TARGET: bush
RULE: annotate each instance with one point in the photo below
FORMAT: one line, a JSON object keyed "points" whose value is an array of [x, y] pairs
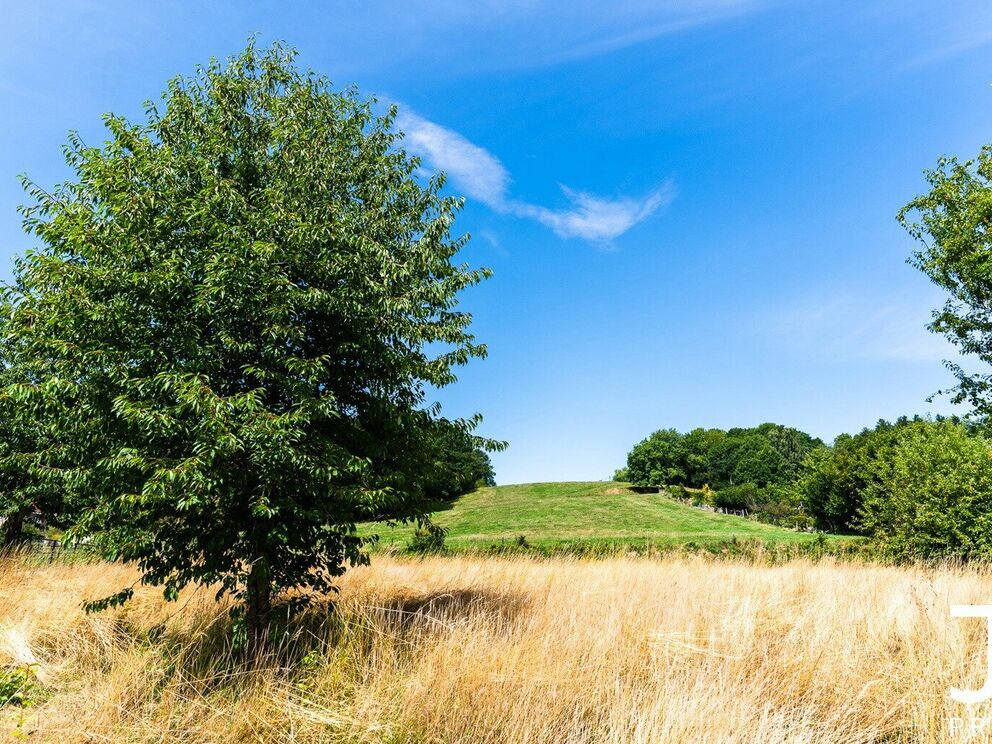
{"points": [[933, 498], [780, 505]]}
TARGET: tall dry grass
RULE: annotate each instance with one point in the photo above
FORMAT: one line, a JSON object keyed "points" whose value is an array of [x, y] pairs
{"points": [[513, 650]]}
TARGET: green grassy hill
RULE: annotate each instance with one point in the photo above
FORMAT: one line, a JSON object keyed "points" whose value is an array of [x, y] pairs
{"points": [[589, 514]]}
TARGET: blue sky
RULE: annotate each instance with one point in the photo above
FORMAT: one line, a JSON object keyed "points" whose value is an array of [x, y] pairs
{"points": [[689, 206]]}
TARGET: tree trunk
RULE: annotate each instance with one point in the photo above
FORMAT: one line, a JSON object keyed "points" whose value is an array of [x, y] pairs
{"points": [[13, 527], [258, 602]]}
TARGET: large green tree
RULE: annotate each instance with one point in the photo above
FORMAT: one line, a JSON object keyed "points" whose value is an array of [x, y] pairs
{"points": [[232, 320]]}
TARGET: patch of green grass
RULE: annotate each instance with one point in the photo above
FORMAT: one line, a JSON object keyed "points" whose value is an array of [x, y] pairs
{"points": [[588, 515]]}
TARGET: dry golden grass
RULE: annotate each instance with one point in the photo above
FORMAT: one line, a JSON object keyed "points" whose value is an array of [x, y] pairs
{"points": [[513, 650]]}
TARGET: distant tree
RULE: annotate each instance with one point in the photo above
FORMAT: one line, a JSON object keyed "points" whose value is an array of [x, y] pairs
{"points": [[792, 446], [460, 463], [762, 455], [659, 460], [699, 443], [824, 491], [758, 461], [721, 459], [621, 475], [235, 314], [953, 221], [836, 480]]}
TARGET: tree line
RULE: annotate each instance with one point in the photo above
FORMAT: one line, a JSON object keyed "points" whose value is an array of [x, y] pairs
{"points": [[919, 487]]}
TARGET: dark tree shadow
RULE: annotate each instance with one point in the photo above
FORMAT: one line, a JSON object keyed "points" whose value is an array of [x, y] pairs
{"points": [[454, 606], [206, 656]]}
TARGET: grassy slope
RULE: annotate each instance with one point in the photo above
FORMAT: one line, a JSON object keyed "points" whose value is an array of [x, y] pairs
{"points": [[597, 512]]}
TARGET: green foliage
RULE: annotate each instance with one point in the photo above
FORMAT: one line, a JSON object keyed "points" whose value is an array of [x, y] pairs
{"points": [[701, 443], [824, 491], [661, 459], [834, 481], [17, 685], [952, 222], [932, 494], [114, 600], [744, 496], [24, 490], [746, 457], [460, 463], [230, 325], [791, 445], [776, 504]]}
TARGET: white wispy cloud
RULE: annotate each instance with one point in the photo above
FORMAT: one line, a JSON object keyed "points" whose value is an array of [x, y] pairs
{"points": [[480, 175], [852, 325], [470, 167], [948, 35], [595, 218], [688, 16]]}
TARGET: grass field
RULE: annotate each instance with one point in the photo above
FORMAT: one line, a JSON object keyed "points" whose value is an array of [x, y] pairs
{"points": [[577, 514], [507, 650]]}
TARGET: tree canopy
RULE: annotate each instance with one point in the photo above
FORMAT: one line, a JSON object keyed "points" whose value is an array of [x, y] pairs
{"points": [[230, 326]]}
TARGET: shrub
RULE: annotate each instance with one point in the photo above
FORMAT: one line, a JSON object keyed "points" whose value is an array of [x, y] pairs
{"points": [[933, 498], [427, 541]]}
